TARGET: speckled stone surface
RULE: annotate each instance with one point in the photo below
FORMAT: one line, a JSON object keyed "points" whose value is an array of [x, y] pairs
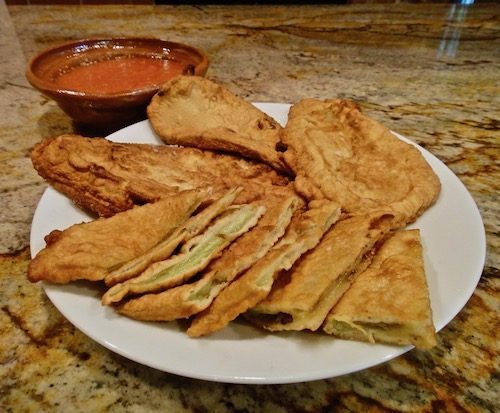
{"points": [[430, 72]]}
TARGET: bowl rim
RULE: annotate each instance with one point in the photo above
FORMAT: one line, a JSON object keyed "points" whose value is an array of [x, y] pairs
{"points": [[50, 89]]}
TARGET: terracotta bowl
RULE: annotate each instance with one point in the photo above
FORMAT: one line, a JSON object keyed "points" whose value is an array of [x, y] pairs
{"points": [[100, 102]]}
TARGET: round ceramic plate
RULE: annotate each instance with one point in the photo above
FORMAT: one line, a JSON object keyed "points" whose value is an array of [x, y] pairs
{"points": [[454, 246]]}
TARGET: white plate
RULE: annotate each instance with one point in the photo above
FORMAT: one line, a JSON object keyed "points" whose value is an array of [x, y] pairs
{"points": [[454, 245]]}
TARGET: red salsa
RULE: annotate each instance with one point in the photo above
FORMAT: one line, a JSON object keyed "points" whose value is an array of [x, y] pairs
{"points": [[121, 74]]}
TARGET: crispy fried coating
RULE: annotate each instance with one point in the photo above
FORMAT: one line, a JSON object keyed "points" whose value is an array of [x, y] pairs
{"points": [[194, 256], [105, 177], [91, 250], [302, 298], [188, 299], [184, 232], [304, 233], [389, 301], [338, 153], [194, 111]]}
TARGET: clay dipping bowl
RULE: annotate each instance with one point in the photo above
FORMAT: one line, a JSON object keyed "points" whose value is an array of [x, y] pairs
{"points": [[105, 84]]}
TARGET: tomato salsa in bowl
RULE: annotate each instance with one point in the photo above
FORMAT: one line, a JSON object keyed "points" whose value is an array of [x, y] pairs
{"points": [[107, 83]]}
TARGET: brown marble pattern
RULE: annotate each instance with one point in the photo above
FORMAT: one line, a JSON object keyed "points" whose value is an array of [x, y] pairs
{"points": [[430, 72]]}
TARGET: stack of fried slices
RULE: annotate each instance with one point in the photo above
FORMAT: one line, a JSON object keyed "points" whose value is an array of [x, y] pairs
{"points": [[300, 227]]}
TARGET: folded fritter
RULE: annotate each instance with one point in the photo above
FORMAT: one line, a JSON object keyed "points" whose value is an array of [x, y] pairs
{"points": [[194, 111], [302, 298], [303, 234], [192, 227], [389, 301], [188, 299], [193, 257], [338, 153], [105, 177], [91, 250]]}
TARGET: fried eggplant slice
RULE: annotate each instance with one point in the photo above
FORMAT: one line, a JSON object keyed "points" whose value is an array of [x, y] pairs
{"points": [[104, 177], [194, 256], [192, 227], [89, 251], [189, 299], [217, 120], [302, 298], [340, 154], [388, 302], [304, 233]]}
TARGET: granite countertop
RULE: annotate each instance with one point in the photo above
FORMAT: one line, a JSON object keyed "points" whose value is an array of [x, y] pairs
{"points": [[430, 72]]}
